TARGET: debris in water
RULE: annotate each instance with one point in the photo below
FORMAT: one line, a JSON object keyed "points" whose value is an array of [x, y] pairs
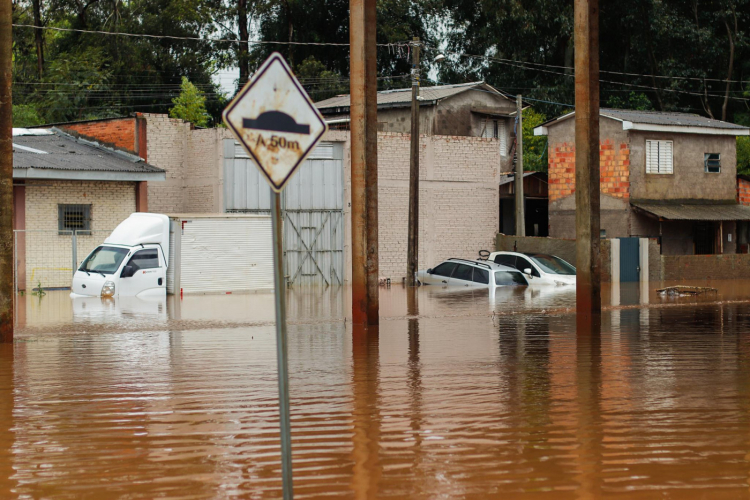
{"points": [[685, 291]]}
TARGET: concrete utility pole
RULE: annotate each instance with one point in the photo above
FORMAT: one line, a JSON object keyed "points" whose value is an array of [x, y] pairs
{"points": [[364, 137], [520, 214], [588, 289], [6, 173], [412, 252]]}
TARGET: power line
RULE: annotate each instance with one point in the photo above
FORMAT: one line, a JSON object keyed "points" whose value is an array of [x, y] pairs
{"points": [[198, 39]]}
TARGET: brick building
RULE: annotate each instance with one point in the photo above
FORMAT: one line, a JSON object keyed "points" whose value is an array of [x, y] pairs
{"points": [[207, 172], [64, 184], [670, 176]]}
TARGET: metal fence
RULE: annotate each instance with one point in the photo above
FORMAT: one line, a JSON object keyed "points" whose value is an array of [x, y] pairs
{"points": [[48, 258]]}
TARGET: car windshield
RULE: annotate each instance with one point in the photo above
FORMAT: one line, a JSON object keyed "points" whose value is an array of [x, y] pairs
{"points": [[105, 260], [552, 265]]}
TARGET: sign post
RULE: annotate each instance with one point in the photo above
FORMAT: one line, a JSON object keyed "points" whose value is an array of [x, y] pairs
{"points": [[278, 125]]}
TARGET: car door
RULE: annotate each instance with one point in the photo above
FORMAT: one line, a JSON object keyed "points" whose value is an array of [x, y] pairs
{"points": [[523, 263], [462, 276], [441, 274], [149, 277]]}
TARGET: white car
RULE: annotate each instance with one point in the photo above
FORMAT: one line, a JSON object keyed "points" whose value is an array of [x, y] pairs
{"points": [[467, 273], [539, 268]]}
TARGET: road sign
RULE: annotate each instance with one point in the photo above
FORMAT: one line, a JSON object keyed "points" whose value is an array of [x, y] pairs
{"points": [[275, 121]]}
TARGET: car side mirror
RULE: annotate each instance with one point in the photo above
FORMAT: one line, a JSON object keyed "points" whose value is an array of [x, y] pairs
{"points": [[127, 272], [429, 271], [527, 271]]}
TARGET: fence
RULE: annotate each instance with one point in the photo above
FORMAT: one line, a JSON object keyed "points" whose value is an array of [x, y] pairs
{"points": [[48, 258]]}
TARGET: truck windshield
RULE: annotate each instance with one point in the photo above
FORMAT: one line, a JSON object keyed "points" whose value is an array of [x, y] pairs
{"points": [[105, 260], [552, 265]]}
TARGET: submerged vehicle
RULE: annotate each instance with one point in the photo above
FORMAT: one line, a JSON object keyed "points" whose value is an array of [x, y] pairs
{"points": [[471, 273], [132, 261], [539, 268]]}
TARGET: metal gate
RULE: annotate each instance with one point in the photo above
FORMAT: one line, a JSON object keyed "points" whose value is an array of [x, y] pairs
{"points": [[629, 259], [312, 208]]}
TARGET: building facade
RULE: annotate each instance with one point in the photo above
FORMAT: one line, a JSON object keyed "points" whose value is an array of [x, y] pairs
{"points": [[670, 176]]}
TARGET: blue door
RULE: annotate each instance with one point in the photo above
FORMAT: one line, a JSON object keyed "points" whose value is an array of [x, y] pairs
{"points": [[629, 259]]}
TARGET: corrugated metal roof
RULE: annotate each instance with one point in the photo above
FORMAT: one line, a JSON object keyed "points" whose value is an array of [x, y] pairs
{"points": [[712, 212], [59, 151], [667, 118], [511, 177], [402, 97], [663, 118]]}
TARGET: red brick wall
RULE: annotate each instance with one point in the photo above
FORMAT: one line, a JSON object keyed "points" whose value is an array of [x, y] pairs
{"points": [[614, 166], [120, 132], [743, 192]]}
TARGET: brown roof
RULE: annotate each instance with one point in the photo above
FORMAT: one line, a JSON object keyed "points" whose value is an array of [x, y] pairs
{"points": [[695, 211]]}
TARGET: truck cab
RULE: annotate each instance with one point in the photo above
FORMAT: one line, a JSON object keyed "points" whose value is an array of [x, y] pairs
{"points": [[132, 261]]}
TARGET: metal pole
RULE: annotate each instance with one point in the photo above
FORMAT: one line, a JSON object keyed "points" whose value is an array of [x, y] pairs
{"points": [[281, 349], [520, 214], [412, 252], [364, 149], [6, 173], [588, 289], [74, 253]]}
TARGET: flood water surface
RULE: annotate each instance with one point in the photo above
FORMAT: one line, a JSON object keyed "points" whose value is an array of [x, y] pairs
{"points": [[456, 395]]}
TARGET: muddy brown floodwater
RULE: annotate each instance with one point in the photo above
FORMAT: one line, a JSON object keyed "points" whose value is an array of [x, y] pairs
{"points": [[458, 394]]}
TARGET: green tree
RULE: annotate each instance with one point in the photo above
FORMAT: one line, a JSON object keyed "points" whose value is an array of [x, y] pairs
{"points": [[534, 146], [634, 100], [26, 115], [190, 105]]}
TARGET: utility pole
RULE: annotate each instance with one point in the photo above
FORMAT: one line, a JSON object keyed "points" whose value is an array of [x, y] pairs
{"points": [[520, 215], [6, 173], [412, 252], [364, 150], [588, 265]]}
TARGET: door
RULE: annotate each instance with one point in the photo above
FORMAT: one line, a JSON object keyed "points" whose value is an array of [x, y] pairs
{"points": [[462, 276], [312, 208], [149, 277], [441, 275], [630, 259]]}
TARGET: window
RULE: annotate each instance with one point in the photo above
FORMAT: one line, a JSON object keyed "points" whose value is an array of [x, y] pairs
{"points": [[444, 269], [495, 129], [74, 218], [659, 157], [522, 264], [104, 260], [712, 161], [463, 272], [145, 259], [510, 278], [481, 276], [553, 265], [506, 260]]}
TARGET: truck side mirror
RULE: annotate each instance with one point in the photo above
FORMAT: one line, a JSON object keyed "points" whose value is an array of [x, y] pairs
{"points": [[527, 271], [127, 272], [429, 271]]}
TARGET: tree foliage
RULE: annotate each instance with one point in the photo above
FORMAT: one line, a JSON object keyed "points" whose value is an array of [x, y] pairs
{"points": [[190, 105], [534, 146]]}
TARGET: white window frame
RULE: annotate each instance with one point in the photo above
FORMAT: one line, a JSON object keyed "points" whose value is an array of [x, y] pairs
{"points": [[496, 128], [661, 160], [705, 162]]}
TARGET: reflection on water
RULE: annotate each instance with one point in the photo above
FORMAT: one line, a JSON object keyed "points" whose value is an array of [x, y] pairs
{"points": [[458, 394]]}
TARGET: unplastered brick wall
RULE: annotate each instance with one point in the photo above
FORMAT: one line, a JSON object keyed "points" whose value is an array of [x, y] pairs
{"points": [[168, 140], [120, 133], [614, 169], [49, 255], [743, 191], [458, 199]]}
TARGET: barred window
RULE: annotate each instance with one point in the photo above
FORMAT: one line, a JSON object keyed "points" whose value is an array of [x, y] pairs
{"points": [[74, 218]]}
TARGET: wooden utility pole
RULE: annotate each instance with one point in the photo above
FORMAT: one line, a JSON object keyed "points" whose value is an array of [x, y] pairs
{"points": [[588, 274], [364, 150], [520, 214], [6, 173], [412, 252]]}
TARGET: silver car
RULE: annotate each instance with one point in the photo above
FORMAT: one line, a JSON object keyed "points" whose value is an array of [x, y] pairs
{"points": [[462, 272]]}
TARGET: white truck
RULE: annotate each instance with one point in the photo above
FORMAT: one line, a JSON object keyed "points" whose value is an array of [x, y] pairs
{"points": [[132, 261], [150, 255]]}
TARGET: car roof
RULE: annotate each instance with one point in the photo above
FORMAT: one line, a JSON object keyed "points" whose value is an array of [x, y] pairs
{"points": [[488, 264]]}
